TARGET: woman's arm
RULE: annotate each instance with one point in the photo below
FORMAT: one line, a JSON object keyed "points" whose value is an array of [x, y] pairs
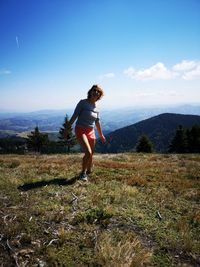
{"points": [[76, 113], [102, 137], [71, 121], [69, 125]]}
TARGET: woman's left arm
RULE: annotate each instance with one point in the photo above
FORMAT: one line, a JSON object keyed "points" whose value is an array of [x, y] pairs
{"points": [[102, 137]]}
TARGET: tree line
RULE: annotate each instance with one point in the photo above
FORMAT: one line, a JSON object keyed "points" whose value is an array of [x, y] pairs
{"points": [[184, 141], [39, 142]]}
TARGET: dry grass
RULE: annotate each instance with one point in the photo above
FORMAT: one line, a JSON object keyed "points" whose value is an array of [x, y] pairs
{"points": [[125, 252], [136, 210]]}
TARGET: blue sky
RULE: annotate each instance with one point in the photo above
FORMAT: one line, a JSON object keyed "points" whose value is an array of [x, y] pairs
{"points": [[140, 52]]}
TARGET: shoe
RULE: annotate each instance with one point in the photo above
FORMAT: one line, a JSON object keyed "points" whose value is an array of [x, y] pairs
{"points": [[88, 172], [83, 176]]}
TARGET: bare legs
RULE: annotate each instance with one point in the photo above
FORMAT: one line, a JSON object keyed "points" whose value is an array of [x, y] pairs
{"points": [[88, 149], [92, 145]]}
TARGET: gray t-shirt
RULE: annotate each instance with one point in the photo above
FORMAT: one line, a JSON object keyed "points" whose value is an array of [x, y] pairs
{"points": [[87, 114]]}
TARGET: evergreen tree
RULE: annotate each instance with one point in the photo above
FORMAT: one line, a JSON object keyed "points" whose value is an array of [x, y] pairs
{"points": [[144, 145], [193, 137], [70, 140], [179, 142], [12, 144], [37, 140]]}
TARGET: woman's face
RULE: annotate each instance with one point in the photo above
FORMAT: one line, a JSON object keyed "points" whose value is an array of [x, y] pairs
{"points": [[95, 94]]}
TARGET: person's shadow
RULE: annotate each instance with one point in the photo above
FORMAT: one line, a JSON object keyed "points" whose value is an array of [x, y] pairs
{"points": [[55, 181]]}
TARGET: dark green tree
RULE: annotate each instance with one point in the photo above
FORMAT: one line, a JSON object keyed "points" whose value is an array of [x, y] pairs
{"points": [[37, 140], [179, 143], [12, 144], [193, 139], [144, 145], [68, 140]]}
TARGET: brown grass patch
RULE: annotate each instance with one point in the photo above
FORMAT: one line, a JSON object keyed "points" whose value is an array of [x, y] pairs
{"points": [[127, 251]]}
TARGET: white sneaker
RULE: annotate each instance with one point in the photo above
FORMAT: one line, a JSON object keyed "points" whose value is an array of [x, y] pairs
{"points": [[83, 177]]}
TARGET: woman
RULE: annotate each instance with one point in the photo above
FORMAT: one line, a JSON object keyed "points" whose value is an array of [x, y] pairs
{"points": [[87, 116]]}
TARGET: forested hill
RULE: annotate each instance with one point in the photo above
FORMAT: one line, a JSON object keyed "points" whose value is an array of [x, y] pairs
{"points": [[160, 130]]}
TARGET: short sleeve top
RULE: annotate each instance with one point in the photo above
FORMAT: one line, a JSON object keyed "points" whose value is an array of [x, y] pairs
{"points": [[86, 113]]}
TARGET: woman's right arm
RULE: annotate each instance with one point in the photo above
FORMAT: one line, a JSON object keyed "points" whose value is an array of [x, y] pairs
{"points": [[69, 125], [73, 117], [71, 121], [76, 113]]}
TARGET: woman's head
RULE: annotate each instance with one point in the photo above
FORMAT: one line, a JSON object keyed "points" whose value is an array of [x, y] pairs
{"points": [[95, 91]]}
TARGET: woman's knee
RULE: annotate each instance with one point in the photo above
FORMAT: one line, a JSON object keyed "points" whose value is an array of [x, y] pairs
{"points": [[88, 153]]}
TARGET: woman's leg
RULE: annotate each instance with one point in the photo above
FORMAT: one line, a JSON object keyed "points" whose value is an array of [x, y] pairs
{"points": [[92, 145], [85, 145]]}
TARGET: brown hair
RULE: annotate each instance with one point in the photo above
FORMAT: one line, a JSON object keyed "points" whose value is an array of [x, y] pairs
{"points": [[97, 89]]}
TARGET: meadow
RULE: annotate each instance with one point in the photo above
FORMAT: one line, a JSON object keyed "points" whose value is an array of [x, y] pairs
{"points": [[135, 210]]}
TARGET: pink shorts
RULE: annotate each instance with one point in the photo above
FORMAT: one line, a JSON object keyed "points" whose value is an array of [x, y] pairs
{"points": [[89, 132]]}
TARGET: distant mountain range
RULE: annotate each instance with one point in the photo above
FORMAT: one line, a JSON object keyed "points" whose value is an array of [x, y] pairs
{"points": [[160, 130], [51, 120]]}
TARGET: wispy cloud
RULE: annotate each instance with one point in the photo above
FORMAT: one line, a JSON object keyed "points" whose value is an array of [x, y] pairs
{"points": [[108, 75], [17, 41], [193, 74], [160, 93], [130, 72], [5, 72], [185, 65], [186, 69], [189, 69]]}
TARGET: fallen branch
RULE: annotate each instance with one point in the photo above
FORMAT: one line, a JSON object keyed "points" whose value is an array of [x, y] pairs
{"points": [[13, 254], [7, 243], [53, 240], [159, 215]]}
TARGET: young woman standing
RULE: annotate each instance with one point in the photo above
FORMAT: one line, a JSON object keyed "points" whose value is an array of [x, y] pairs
{"points": [[86, 115]]}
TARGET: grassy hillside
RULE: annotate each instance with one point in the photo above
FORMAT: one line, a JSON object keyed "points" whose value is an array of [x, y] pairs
{"points": [[136, 210]]}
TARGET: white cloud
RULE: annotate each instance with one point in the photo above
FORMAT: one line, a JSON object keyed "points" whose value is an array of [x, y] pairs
{"points": [[186, 70], [5, 72], [108, 75], [193, 74], [130, 72], [143, 94], [189, 69], [185, 65], [157, 93], [155, 72], [17, 41]]}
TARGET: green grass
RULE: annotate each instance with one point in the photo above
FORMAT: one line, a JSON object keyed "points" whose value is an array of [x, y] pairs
{"points": [[136, 210]]}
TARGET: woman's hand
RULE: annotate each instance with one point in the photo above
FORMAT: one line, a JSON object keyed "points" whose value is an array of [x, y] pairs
{"points": [[103, 139]]}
